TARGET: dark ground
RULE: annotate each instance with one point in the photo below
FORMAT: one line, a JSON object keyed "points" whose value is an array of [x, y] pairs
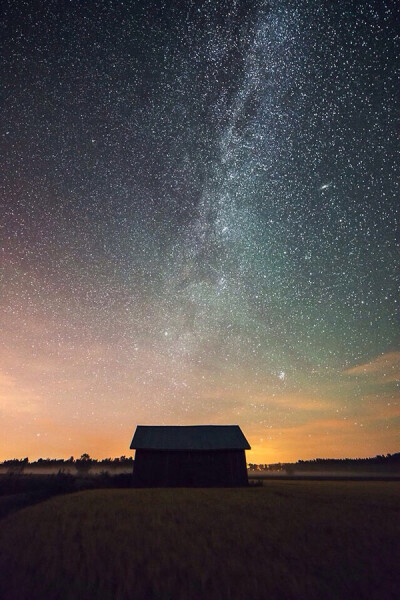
{"points": [[282, 540]]}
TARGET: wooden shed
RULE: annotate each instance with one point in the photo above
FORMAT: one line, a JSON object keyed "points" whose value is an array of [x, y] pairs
{"points": [[200, 455]]}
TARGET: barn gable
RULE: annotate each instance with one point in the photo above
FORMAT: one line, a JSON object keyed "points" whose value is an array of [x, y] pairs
{"points": [[193, 437]]}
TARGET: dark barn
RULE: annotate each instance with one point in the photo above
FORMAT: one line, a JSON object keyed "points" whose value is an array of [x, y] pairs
{"points": [[200, 455]]}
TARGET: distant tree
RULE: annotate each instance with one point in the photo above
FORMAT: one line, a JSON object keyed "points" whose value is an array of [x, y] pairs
{"points": [[16, 466], [83, 464]]}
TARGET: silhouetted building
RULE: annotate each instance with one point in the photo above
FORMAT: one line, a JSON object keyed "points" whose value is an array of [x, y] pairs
{"points": [[200, 455]]}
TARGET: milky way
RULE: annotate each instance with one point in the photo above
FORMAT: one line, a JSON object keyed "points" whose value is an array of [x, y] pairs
{"points": [[198, 209]]}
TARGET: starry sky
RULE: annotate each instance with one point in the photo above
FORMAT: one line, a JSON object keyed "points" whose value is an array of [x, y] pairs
{"points": [[198, 224]]}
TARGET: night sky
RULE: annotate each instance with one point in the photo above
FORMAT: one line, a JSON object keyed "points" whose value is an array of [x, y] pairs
{"points": [[198, 224]]}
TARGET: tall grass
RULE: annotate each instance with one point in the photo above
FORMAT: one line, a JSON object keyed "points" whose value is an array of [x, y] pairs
{"points": [[285, 540]]}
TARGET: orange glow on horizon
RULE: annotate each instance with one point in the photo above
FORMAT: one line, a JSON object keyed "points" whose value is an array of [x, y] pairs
{"points": [[283, 427]]}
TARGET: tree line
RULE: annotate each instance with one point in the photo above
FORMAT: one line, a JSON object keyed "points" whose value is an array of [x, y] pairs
{"points": [[82, 464], [391, 461]]}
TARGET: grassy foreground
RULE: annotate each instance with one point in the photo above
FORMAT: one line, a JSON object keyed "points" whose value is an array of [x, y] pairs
{"points": [[286, 540]]}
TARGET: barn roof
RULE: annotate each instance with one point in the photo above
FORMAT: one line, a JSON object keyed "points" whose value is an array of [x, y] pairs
{"points": [[193, 437]]}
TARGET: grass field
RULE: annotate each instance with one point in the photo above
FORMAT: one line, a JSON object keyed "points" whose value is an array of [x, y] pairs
{"points": [[285, 540]]}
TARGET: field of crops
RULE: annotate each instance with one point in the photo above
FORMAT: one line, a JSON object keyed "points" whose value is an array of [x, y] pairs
{"points": [[285, 540]]}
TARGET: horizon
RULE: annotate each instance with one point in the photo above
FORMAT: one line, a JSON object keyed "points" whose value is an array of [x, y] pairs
{"points": [[199, 211], [112, 458]]}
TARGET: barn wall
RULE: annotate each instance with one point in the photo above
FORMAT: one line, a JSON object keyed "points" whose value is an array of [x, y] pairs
{"points": [[158, 468]]}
